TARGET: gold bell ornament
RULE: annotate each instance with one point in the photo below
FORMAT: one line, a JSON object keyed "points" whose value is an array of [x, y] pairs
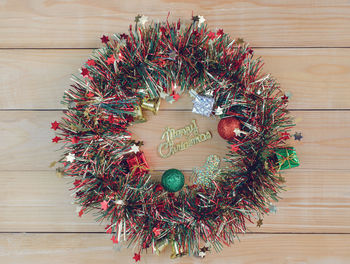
{"points": [[176, 252], [151, 104], [161, 245], [138, 115]]}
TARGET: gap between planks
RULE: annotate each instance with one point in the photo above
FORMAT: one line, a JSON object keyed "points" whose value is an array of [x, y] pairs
{"points": [[253, 47], [238, 233], [97, 248], [37, 79], [172, 110]]}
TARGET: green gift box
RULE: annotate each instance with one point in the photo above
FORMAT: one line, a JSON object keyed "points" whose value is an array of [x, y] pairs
{"points": [[287, 158]]}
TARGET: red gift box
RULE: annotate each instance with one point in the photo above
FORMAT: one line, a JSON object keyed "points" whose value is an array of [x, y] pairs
{"points": [[137, 163]]}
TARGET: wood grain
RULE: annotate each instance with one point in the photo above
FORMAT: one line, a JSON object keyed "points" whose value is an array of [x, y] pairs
{"points": [[38, 201], [93, 248], [26, 139], [305, 45], [269, 23], [316, 78]]}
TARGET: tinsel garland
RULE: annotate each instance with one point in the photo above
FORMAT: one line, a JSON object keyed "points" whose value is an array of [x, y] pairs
{"points": [[165, 60]]}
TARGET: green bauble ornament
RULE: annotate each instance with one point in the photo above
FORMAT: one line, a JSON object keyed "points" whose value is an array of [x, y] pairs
{"points": [[173, 180]]}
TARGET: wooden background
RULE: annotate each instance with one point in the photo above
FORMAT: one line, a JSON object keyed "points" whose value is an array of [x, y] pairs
{"points": [[305, 45]]}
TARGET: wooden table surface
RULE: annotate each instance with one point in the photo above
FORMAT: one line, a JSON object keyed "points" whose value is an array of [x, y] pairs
{"points": [[305, 45]]}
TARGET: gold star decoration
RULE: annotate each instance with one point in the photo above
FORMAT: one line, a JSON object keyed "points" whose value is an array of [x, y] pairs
{"points": [[137, 143], [137, 18], [143, 20], [86, 112], [205, 249], [239, 41], [59, 172], [219, 111], [200, 20], [259, 222], [70, 157], [281, 179], [163, 94], [202, 254], [195, 18], [238, 132], [134, 148], [298, 136]]}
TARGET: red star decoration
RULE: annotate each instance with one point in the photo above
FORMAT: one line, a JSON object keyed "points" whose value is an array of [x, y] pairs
{"points": [[104, 205], [56, 139], [114, 239], [250, 50], [110, 60], [220, 32], [286, 135], [90, 94], [75, 140], [85, 72], [137, 257], [124, 36], [111, 119], [91, 63], [77, 182], [211, 35], [176, 97], [284, 98], [55, 125], [108, 229], [159, 188], [81, 212], [234, 148], [156, 231], [104, 39]]}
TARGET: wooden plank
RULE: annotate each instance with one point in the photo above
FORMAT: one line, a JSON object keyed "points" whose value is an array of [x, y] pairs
{"points": [[42, 202], [271, 23], [38, 201], [254, 248], [316, 78], [26, 139]]}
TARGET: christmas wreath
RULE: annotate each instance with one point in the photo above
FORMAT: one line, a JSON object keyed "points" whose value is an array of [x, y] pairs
{"points": [[130, 74]]}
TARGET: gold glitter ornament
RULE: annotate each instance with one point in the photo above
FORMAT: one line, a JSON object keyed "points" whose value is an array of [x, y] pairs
{"points": [[206, 174]]}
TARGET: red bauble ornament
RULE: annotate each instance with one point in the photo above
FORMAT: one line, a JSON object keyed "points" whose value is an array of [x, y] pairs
{"points": [[227, 126]]}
